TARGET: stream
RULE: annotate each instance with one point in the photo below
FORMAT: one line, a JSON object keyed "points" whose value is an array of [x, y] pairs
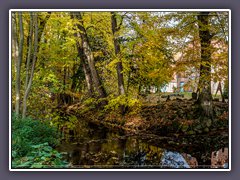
{"points": [[94, 147]]}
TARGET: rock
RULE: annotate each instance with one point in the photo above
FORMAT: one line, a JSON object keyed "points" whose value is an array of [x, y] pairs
{"points": [[172, 117], [199, 131], [194, 96], [113, 161], [191, 132], [189, 115], [197, 127], [208, 122], [206, 130], [184, 127], [171, 142]]}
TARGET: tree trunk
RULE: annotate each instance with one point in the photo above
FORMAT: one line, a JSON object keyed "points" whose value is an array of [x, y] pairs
{"points": [[115, 29], [83, 64], [64, 78], [29, 55], [117, 50], [90, 59], [37, 38], [15, 47], [18, 67], [219, 88], [33, 67], [205, 96], [86, 71], [42, 24]]}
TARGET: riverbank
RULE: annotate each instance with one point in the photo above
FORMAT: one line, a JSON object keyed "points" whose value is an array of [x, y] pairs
{"points": [[103, 139], [169, 118]]}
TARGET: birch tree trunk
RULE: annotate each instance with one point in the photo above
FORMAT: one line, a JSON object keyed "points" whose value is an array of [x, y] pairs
{"points": [[29, 84], [15, 47], [29, 55], [18, 66]]}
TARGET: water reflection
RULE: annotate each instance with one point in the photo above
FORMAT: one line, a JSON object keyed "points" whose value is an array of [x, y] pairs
{"points": [[219, 158], [100, 148]]}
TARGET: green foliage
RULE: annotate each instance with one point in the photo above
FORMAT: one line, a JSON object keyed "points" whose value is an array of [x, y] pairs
{"points": [[32, 142], [27, 132], [59, 121], [153, 47], [225, 93], [134, 105], [40, 156]]}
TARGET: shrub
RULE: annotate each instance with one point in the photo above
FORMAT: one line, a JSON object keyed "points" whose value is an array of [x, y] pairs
{"points": [[27, 132], [31, 144], [134, 105], [41, 156], [225, 93]]}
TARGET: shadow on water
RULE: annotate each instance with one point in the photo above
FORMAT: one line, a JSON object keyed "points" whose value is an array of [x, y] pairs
{"points": [[94, 147]]}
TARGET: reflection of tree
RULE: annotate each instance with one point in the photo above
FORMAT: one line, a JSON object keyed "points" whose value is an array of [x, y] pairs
{"points": [[219, 158], [192, 161]]}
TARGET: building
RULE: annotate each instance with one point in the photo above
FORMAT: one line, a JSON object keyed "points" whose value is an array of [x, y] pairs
{"points": [[182, 83], [187, 81]]}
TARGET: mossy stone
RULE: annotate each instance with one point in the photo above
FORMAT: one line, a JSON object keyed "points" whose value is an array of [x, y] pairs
{"points": [[208, 122], [184, 127], [206, 129], [191, 132]]}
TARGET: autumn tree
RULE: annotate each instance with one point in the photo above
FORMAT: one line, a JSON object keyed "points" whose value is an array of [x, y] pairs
{"points": [[205, 96], [28, 51], [88, 55], [115, 29]]}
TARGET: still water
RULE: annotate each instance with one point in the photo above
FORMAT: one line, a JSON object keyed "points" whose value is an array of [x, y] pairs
{"points": [[94, 147]]}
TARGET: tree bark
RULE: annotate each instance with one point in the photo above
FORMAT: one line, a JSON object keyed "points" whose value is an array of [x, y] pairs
{"points": [[42, 24], [29, 84], [37, 38], [86, 71], [90, 59], [14, 41], [15, 46], [115, 29], [205, 96], [18, 67], [30, 36], [219, 88], [83, 64]]}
